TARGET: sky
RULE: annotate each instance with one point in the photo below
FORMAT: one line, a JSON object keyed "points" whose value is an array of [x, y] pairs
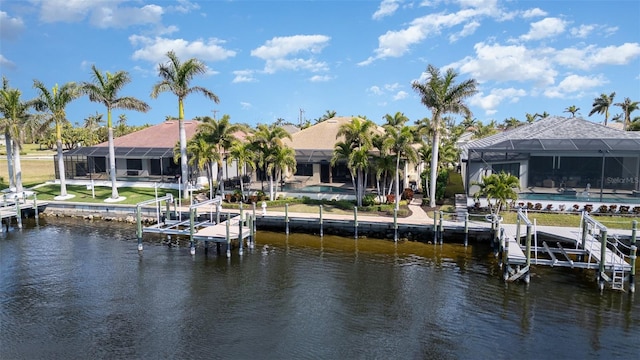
{"points": [[293, 60]]}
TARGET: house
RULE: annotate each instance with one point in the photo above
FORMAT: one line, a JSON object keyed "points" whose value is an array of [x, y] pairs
{"points": [[144, 155], [570, 156], [314, 147]]}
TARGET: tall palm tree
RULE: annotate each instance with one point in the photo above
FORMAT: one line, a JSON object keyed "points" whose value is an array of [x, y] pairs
{"points": [[482, 131], [342, 152], [202, 155], [104, 89], [572, 109], [329, 114], [176, 77], [55, 102], [8, 142], [221, 134], [511, 123], [281, 160], [628, 107], [531, 118], [400, 140], [15, 115], [500, 188], [358, 135], [266, 140], [244, 155], [442, 95], [601, 105]]}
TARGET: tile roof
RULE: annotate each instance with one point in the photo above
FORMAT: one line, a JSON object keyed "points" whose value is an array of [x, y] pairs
{"points": [[163, 135], [321, 136]]}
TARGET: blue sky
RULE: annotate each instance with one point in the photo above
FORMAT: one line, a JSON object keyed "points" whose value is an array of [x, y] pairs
{"points": [[271, 59]]}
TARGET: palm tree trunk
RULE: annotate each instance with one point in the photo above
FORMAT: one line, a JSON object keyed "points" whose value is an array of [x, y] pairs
{"points": [[434, 166], [219, 176], [18, 166], [112, 165], [397, 199], [241, 188], [9, 147], [271, 186], [183, 157], [63, 180]]}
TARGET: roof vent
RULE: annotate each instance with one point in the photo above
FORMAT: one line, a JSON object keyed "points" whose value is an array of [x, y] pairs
{"points": [[332, 121]]}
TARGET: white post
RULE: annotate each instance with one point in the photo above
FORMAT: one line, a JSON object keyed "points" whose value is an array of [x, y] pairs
{"points": [[93, 189]]}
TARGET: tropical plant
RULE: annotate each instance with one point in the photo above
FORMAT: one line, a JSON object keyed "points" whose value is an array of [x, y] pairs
{"points": [[628, 107], [176, 77], [511, 123], [329, 114], [267, 140], [54, 102], [531, 118], [281, 159], [358, 134], [601, 105], [202, 155], [442, 95], [244, 155], [221, 134], [400, 140], [104, 89], [572, 109], [15, 115], [482, 131], [498, 188]]}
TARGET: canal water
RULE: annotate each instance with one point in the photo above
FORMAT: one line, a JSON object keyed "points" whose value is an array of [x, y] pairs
{"points": [[73, 289]]}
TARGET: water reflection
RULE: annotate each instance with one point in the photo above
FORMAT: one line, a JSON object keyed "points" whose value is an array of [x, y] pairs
{"points": [[79, 289]]}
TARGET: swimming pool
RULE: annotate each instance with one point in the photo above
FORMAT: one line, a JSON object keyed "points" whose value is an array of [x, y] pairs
{"points": [[322, 189]]}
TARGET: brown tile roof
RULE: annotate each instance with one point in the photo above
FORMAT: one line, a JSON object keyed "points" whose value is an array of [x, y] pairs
{"points": [[163, 135], [321, 136]]}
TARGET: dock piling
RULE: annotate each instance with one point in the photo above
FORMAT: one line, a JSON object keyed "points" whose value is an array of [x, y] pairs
{"points": [[355, 220], [321, 225], [286, 218], [632, 256], [395, 224], [441, 229], [192, 245], [18, 213], [228, 225], [139, 227], [466, 228]]}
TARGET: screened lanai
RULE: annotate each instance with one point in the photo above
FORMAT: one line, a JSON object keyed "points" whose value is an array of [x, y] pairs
{"points": [[565, 156]]}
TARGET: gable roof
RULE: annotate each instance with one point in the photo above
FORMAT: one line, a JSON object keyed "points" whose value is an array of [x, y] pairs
{"points": [[559, 134]]}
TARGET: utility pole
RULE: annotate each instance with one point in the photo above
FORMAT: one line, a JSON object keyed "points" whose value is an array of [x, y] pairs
{"points": [[215, 112], [301, 116]]}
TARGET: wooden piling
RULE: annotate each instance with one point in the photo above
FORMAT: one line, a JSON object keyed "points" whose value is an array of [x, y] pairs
{"points": [[18, 213], [395, 224], [286, 218], [527, 277], [441, 229], [228, 223], [139, 227], [466, 228], [355, 220], [633, 256], [192, 245], [321, 225]]}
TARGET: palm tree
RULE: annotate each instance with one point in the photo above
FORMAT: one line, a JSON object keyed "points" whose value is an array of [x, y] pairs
{"points": [[266, 140], [244, 155], [104, 89], [511, 123], [400, 140], [176, 78], [601, 105], [442, 95], [55, 102], [482, 131], [342, 152], [8, 143], [358, 135], [572, 109], [202, 155], [15, 116], [531, 118], [628, 107], [329, 114], [281, 160], [499, 187], [221, 134]]}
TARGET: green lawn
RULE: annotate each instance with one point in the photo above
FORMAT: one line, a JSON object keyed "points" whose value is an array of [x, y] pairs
{"points": [[82, 194]]}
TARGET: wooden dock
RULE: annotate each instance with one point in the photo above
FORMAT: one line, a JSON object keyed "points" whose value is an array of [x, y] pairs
{"points": [[18, 206]]}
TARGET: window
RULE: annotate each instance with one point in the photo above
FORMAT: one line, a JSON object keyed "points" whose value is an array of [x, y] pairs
{"points": [[509, 168], [134, 164], [304, 169]]}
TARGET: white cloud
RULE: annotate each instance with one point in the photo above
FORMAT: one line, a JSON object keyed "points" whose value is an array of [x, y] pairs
{"points": [[400, 95], [105, 13], [387, 8], [184, 6], [243, 76], [392, 87], [10, 27], [545, 28], [397, 43], [280, 53], [375, 90], [590, 56], [6, 62], [574, 84], [491, 101], [536, 12], [508, 63], [320, 78], [467, 30], [245, 105], [115, 17], [155, 49], [582, 31]]}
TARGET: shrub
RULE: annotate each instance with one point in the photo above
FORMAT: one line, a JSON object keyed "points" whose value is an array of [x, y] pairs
{"points": [[576, 207], [537, 206], [588, 208], [636, 210], [529, 205], [549, 207], [603, 209], [613, 208], [407, 194], [624, 209], [368, 200], [562, 207], [391, 199]]}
